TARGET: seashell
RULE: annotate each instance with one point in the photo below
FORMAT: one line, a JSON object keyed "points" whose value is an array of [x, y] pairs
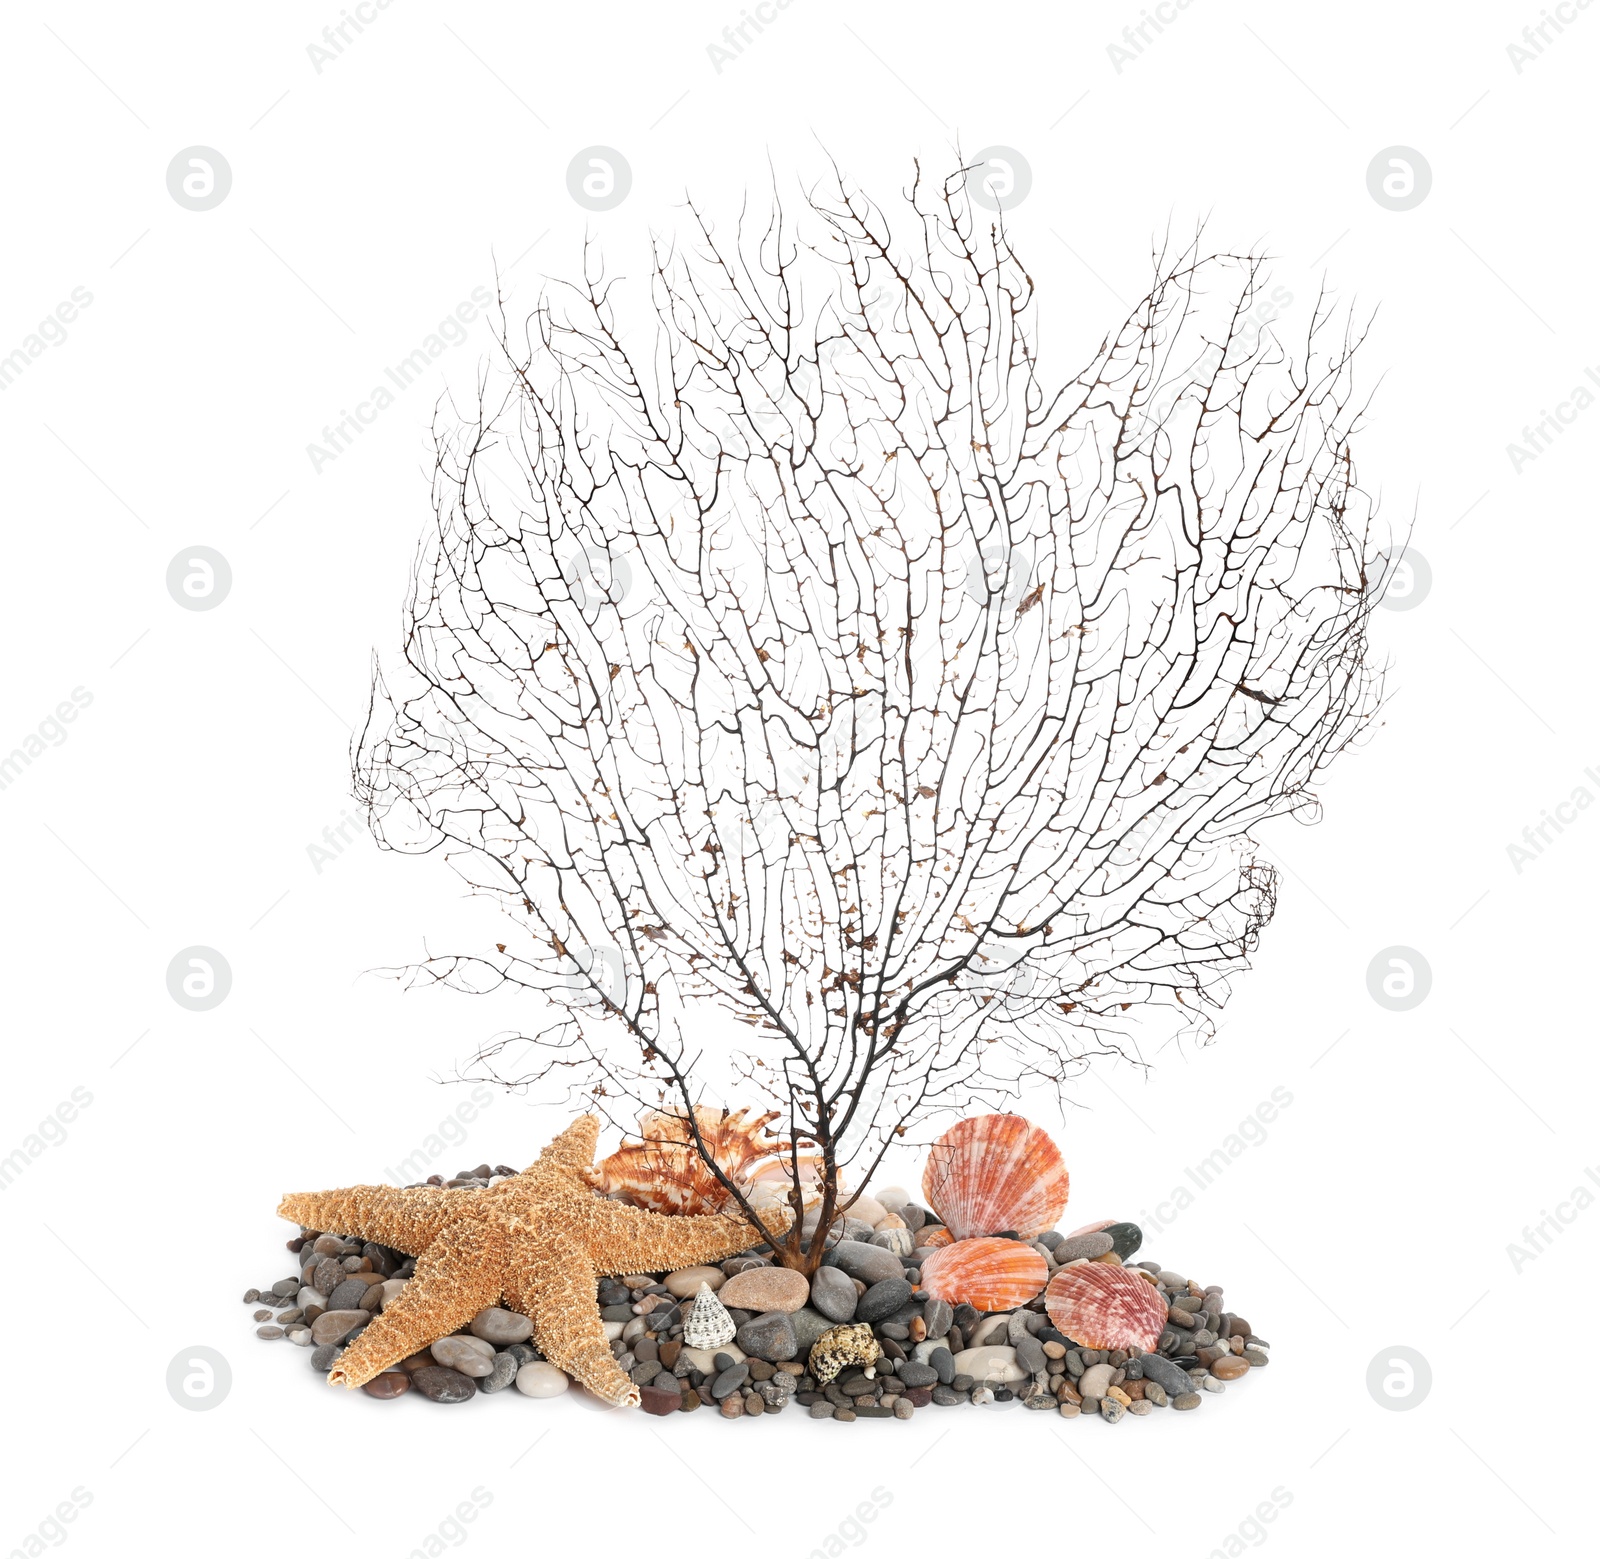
{"points": [[994, 1174], [1103, 1306], [987, 1274], [842, 1345], [709, 1324], [665, 1172], [933, 1235]]}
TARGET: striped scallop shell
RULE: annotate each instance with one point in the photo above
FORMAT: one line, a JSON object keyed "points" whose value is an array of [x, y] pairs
{"points": [[932, 1234], [1102, 1306], [995, 1174], [985, 1273]]}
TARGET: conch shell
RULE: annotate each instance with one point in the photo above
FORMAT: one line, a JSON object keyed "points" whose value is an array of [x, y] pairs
{"points": [[665, 1173]]}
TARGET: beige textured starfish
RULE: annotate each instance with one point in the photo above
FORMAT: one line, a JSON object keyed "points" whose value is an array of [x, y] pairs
{"points": [[536, 1242]]}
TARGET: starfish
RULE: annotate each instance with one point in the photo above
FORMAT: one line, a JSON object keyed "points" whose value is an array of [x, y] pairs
{"points": [[536, 1241]]}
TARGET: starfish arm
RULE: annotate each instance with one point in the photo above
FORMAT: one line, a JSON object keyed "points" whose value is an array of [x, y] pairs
{"points": [[405, 1220], [460, 1273], [629, 1239], [553, 1283], [573, 1150]]}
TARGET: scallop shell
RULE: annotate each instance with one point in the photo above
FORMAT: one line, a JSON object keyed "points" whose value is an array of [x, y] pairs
{"points": [[665, 1173], [1102, 1306], [994, 1174], [987, 1274], [709, 1325], [933, 1235]]}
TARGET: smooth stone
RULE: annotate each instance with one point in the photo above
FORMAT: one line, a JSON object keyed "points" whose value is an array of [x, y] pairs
{"points": [[914, 1374], [883, 1299], [994, 1364], [347, 1295], [438, 1384], [336, 1325], [1166, 1374], [770, 1336], [868, 1210], [808, 1327], [1126, 1238], [729, 1380], [388, 1385], [324, 1356], [1231, 1367], [1095, 1381], [269, 1333], [309, 1299], [327, 1275], [937, 1316], [542, 1380], [501, 1327], [456, 1353], [1112, 1410], [660, 1400], [833, 1294], [1030, 1355], [1186, 1400], [766, 1289], [705, 1359], [870, 1263], [502, 1372], [685, 1283], [1083, 1247], [891, 1197]]}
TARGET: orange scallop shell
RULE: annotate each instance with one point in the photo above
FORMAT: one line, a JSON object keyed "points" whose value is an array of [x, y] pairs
{"points": [[932, 1234], [1103, 1306], [984, 1273], [993, 1174]]}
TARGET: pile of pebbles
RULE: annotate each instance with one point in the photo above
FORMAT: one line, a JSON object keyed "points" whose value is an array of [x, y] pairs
{"points": [[933, 1354]]}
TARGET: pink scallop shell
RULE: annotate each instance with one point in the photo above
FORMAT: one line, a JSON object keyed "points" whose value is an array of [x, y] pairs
{"points": [[1101, 1305]]}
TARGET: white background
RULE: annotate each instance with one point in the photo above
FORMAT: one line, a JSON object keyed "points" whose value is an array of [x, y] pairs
{"points": [[367, 202]]}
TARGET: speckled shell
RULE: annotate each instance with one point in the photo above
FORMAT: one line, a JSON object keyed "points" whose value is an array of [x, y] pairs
{"points": [[1104, 1306], [842, 1345], [987, 1274], [665, 1173], [995, 1174]]}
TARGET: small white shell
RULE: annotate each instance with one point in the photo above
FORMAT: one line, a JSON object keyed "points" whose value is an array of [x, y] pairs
{"points": [[709, 1324]]}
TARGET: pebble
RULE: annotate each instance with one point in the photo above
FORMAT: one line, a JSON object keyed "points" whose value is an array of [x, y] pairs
{"points": [[660, 1400], [438, 1384], [269, 1333], [685, 1283], [1164, 1372], [1230, 1368], [390, 1384], [346, 1295], [1095, 1381], [1031, 1355], [770, 1336], [903, 1408], [766, 1289], [808, 1327], [1186, 1400], [501, 1327], [1069, 1409], [882, 1299], [1112, 1410], [1083, 1247], [914, 1374], [705, 1359], [733, 1407], [463, 1354], [994, 1363], [542, 1380], [833, 1294], [729, 1380], [870, 1263], [503, 1370], [338, 1325]]}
